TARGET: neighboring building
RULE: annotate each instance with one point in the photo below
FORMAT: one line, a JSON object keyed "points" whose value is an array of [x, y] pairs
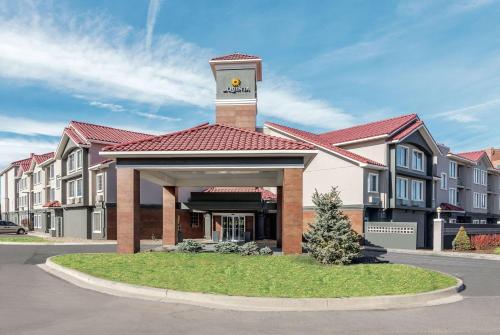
{"points": [[494, 155]]}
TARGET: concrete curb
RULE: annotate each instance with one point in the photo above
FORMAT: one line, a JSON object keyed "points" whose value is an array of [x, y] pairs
{"points": [[438, 253], [438, 297]]}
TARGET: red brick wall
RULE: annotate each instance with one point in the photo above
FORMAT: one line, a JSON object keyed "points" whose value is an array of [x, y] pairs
{"points": [[243, 116], [292, 212], [355, 215], [111, 223], [151, 223], [187, 230]]}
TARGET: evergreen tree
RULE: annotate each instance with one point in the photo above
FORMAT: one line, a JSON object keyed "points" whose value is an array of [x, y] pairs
{"points": [[461, 242], [331, 240]]}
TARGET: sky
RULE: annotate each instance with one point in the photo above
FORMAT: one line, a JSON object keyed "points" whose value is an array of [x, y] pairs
{"points": [[143, 65]]}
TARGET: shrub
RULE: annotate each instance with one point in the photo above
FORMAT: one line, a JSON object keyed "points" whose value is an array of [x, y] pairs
{"points": [[227, 248], [330, 239], [485, 242], [249, 249], [189, 246], [266, 251], [461, 242]]}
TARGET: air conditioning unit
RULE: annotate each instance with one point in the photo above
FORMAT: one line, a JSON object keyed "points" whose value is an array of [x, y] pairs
{"points": [[100, 197], [405, 202], [71, 201], [79, 200], [374, 200]]}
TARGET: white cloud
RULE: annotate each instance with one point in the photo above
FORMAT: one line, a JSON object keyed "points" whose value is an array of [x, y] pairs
{"points": [[154, 7], [467, 114], [16, 149], [111, 107], [29, 126], [154, 116], [463, 6], [89, 56]]}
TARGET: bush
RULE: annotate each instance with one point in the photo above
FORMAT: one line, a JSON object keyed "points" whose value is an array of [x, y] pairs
{"points": [[461, 242], [266, 251], [249, 249], [330, 239], [227, 248], [485, 242], [189, 246]]}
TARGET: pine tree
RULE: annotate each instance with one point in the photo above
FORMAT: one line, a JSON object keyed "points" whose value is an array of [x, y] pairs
{"points": [[330, 239]]}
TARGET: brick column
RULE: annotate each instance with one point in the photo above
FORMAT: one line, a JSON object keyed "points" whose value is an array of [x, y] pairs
{"points": [[279, 215], [292, 215], [128, 204], [169, 224]]}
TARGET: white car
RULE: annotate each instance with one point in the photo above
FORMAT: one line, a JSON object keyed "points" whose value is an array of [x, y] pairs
{"points": [[11, 227]]}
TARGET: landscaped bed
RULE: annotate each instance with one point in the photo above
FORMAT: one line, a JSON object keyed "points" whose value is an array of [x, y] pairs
{"points": [[21, 238], [259, 276]]}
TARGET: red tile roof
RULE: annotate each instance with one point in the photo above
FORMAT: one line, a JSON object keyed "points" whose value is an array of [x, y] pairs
{"points": [[39, 159], [92, 132], [407, 131], [472, 155], [215, 137], [320, 141], [449, 207], [74, 136], [372, 129], [265, 194], [25, 164], [235, 56]]}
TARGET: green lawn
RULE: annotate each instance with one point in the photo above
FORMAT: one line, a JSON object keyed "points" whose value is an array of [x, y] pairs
{"points": [[497, 251], [269, 276], [21, 238]]}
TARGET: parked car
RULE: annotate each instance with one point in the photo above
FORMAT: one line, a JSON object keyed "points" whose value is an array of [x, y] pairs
{"points": [[11, 227]]}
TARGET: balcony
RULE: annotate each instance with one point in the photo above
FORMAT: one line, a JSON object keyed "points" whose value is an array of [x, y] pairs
{"points": [[460, 182]]}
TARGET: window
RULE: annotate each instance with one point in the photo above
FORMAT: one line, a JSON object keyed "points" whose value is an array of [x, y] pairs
{"points": [[484, 178], [51, 193], [74, 161], [453, 196], [373, 182], [483, 221], [453, 170], [79, 187], [195, 219], [417, 190], [475, 221], [484, 200], [453, 220], [402, 156], [99, 182], [402, 188], [58, 182], [417, 160], [476, 200], [37, 221], [52, 222], [477, 176], [444, 181], [75, 188], [51, 171], [37, 198], [71, 189], [97, 222]]}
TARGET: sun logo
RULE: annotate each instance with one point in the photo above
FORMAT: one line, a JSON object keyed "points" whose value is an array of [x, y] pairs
{"points": [[236, 82]]}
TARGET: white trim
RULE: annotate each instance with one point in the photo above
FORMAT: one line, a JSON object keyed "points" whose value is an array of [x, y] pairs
{"points": [[201, 153], [235, 102], [366, 139], [456, 169], [269, 167], [407, 166], [100, 222], [454, 201], [441, 181], [99, 191]]}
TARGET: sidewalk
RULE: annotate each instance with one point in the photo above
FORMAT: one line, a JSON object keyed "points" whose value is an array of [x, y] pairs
{"points": [[470, 255]]}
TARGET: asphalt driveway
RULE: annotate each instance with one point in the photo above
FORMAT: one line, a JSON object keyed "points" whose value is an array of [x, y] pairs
{"points": [[34, 302]]}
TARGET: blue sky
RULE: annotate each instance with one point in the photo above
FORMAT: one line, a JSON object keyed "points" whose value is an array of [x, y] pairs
{"points": [[143, 65]]}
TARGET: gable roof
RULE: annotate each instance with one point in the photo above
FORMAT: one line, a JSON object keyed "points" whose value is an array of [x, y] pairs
{"points": [[472, 155], [266, 195], [209, 138], [39, 159], [89, 133], [321, 142], [383, 128]]}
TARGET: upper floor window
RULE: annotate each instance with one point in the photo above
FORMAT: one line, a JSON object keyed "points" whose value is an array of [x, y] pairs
{"points": [[75, 188], [402, 156], [52, 171], [402, 188], [417, 160], [373, 182], [477, 176], [453, 199], [484, 177], [52, 194], [417, 190], [99, 182], [444, 181], [480, 200], [74, 161], [58, 182], [484, 200], [453, 170]]}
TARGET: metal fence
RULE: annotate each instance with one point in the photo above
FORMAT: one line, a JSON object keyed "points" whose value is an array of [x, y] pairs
{"points": [[395, 235]]}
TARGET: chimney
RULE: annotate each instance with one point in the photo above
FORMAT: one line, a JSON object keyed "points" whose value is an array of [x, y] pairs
{"points": [[236, 77]]}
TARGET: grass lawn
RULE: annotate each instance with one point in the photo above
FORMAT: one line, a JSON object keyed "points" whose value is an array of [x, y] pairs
{"points": [[21, 238], [266, 276], [497, 251]]}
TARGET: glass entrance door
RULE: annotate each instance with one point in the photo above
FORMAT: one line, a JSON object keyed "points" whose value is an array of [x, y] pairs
{"points": [[233, 228]]}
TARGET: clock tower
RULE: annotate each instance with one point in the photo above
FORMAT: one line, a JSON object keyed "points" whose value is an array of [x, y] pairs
{"points": [[236, 77]]}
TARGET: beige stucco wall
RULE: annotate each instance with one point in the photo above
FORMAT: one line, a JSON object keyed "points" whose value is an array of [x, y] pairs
{"points": [[376, 150]]}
